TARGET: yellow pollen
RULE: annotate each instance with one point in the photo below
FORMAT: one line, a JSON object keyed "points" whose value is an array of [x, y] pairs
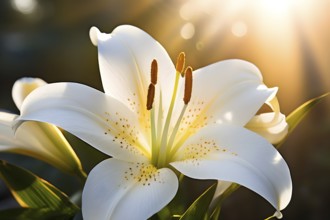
{"points": [[154, 71], [188, 85], [180, 63], [151, 96]]}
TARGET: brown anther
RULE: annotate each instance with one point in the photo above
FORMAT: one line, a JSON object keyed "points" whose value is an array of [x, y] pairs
{"points": [[150, 96], [187, 85], [154, 71], [180, 63]]}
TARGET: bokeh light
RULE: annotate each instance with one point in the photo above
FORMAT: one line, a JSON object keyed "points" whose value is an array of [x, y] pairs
{"points": [[239, 29], [25, 6], [187, 31]]}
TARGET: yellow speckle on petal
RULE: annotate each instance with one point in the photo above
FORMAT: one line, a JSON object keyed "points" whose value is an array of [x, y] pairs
{"points": [[204, 149], [200, 150], [195, 118], [121, 131], [143, 174]]}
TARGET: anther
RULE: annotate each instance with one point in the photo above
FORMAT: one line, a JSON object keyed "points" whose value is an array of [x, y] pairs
{"points": [[187, 85], [151, 96], [154, 71], [180, 63]]}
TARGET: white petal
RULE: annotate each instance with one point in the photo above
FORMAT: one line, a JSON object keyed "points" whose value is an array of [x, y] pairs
{"points": [[229, 91], [272, 126], [93, 32], [121, 190], [38, 140], [7, 138], [96, 118], [237, 155], [23, 87], [125, 58]]}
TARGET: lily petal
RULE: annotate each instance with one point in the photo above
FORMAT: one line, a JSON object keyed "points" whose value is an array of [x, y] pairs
{"points": [[125, 58], [91, 115], [235, 92], [117, 189], [235, 154], [272, 126], [38, 140], [23, 87], [7, 139]]}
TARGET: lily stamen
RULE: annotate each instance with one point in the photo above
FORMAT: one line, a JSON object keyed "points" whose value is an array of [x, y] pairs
{"points": [[186, 98], [180, 63], [150, 96], [150, 101], [187, 85], [154, 71]]}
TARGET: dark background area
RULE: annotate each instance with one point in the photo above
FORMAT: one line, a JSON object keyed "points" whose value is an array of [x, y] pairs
{"points": [[288, 40]]}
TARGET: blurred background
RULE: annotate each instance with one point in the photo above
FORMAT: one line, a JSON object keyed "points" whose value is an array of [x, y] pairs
{"points": [[289, 40]]}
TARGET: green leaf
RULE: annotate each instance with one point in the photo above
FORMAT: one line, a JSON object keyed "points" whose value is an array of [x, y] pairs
{"points": [[198, 210], [216, 209], [295, 117], [299, 113], [33, 213], [31, 191]]}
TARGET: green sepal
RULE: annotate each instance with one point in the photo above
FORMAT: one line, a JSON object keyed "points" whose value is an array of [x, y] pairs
{"points": [[34, 213], [199, 208], [31, 191]]}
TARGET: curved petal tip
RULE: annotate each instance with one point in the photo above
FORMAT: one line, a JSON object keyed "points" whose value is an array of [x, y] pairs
{"points": [[93, 32], [278, 215], [23, 87]]}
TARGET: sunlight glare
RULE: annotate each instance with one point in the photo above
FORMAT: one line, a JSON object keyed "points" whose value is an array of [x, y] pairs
{"points": [[278, 7], [24, 6]]}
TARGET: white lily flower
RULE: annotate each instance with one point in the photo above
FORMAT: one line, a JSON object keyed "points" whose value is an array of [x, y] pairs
{"points": [[36, 139], [142, 122]]}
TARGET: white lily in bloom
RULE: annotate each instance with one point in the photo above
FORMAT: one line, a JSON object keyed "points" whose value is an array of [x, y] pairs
{"points": [[143, 123], [36, 139]]}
